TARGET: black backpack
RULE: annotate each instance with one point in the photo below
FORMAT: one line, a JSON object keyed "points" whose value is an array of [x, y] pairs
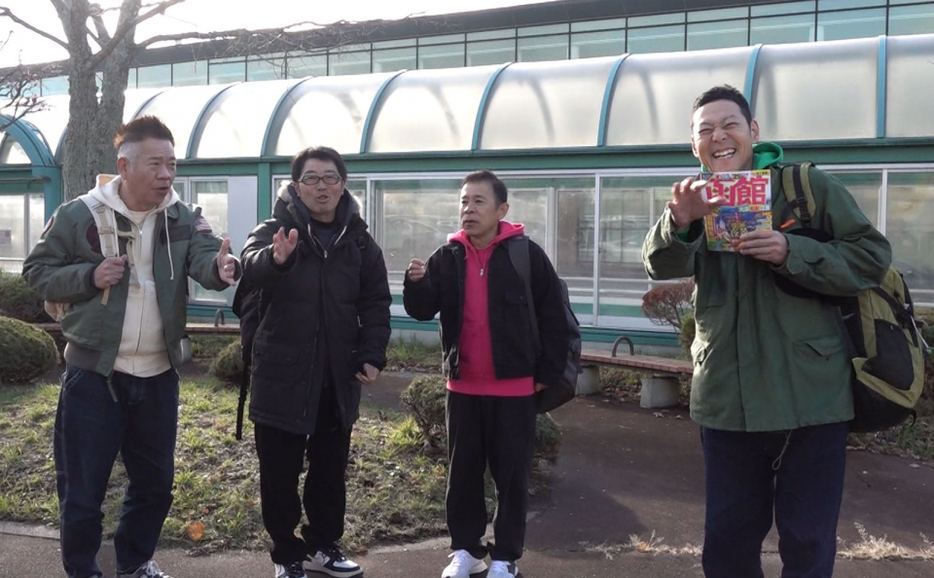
{"points": [[564, 391]]}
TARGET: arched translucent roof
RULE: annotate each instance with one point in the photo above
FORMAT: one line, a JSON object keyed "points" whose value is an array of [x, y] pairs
{"points": [[326, 110], [445, 102], [650, 103], [51, 120], [553, 104], [180, 109], [816, 91], [235, 123], [11, 152]]}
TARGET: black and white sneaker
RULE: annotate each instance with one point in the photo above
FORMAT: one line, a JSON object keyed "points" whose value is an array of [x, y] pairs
{"points": [[293, 570], [502, 569], [332, 562]]}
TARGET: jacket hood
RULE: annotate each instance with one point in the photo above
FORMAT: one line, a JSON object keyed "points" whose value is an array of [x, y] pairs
{"points": [[506, 230], [290, 208], [766, 154], [107, 191]]}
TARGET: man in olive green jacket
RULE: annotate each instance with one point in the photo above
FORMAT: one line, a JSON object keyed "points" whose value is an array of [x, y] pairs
{"points": [[771, 387], [117, 261]]}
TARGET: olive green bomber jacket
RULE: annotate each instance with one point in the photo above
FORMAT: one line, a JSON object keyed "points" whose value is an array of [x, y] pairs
{"points": [[765, 360], [61, 268]]}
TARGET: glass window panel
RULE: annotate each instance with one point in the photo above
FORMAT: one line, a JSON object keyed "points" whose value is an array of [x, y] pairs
{"points": [[235, 123], [310, 65], [36, 219], [491, 52], [540, 48], [266, 69], [394, 43], [911, 20], [12, 231], [327, 111], [357, 190], [55, 85], [546, 104], [865, 188], [594, 44], [850, 24], [844, 4], [211, 196], [418, 215], [181, 187], [160, 75], [910, 229], [909, 108], [658, 39], [445, 102], [782, 29], [343, 63], [717, 14], [394, 59], [190, 73], [783, 8], [442, 39], [598, 25], [131, 78], [227, 72], [839, 74], [179, 108], [491, 34], [629, 206], [654, 93], [656, 19], [708, 35], [542, 30], [441, 56]]}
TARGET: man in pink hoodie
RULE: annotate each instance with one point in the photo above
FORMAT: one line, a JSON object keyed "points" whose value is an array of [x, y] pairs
{"points": [[493, 369]]}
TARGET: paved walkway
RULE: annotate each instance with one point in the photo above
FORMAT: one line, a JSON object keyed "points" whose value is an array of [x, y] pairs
{"points": [[625, 476]]}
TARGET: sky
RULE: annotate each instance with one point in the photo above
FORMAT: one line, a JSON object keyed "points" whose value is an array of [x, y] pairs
{"points": [[207, 15]]}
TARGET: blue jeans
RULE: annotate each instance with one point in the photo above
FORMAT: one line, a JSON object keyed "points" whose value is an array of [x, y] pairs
{"points": [[798, 474], [90, 428]]}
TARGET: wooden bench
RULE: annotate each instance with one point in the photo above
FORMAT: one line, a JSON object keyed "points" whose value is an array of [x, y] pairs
{"points": [[660, 387]]}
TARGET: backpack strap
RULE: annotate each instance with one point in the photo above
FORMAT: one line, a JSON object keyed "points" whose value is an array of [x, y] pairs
{"points": [[797, 188], [519, 255], [107, 232]]}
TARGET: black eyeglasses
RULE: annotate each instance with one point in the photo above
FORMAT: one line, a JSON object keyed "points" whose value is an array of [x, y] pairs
{"points": [[312, 180]]}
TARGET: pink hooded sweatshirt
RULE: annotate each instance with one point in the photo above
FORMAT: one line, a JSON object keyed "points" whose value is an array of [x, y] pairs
{"points": [[475, 365]]}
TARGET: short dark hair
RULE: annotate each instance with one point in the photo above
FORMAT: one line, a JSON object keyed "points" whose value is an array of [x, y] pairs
{"points": [[725, 92], [139, 129], [499, 188], [321, 154]]}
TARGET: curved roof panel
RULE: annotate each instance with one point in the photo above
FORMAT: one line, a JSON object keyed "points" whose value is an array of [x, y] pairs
{"points": [[52, 121], [180, 108], [11, 152], [909, 107], [651, 101], [546, 105], [817, 90], [445, 102], [327, 110], [236, 121]]}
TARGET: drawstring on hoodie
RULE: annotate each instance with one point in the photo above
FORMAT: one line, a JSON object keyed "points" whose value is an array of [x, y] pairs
{"points": [[778, 461], [168, 246]]}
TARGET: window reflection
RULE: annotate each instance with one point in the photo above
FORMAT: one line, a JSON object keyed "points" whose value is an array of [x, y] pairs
{"points": [[211, 196], [908, 226]]}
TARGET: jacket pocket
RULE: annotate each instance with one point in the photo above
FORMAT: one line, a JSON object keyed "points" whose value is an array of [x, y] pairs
{"points": [[278, 362]]}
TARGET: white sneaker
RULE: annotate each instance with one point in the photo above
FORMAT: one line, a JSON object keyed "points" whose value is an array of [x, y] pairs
{"points": [[463, 565], [502, 569], [332, 562]]}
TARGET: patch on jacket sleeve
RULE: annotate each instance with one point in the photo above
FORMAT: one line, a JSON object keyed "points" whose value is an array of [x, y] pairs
{"points": [[47, 227], [179, 233], [202, 225], [93, 238]]}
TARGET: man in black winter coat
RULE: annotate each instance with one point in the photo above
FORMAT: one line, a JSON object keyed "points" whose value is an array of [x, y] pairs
{"points": [[323, 331]]}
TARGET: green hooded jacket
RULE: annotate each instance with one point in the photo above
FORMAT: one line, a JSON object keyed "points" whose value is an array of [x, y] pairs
{"points": [[765, 360]]}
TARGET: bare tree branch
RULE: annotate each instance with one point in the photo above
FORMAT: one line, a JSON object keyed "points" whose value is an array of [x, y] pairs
{"points": [[16, 98], [233, 33], [4, 11], [129, 23]]}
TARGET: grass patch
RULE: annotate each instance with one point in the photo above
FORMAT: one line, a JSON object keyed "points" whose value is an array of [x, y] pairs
{"points": [[410, 354], [208, 345], [395, 491]]}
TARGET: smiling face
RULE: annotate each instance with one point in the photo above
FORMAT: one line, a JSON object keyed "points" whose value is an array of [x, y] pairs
{"points": [[722, 138], [480, 214], [321, 198], [147, 169]]}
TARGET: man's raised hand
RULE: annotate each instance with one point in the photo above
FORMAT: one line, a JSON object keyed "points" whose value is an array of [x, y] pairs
{"points": [[689, 202], [283, 246]]}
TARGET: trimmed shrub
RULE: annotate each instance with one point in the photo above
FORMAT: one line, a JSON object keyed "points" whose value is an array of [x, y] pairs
{"points": [[667, 304], [19, 301], [425, 399], [688, 329], [228, 365], [28, 352]]}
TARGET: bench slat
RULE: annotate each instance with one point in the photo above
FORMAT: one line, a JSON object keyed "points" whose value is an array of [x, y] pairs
{"points": [[645, 362]]}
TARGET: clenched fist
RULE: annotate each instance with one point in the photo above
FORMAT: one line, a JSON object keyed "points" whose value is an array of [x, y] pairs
{"points": [[109, 272]]}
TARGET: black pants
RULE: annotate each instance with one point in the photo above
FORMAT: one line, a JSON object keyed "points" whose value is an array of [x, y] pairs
{"points": [[795, 476], [499, 431], [324, 496]]}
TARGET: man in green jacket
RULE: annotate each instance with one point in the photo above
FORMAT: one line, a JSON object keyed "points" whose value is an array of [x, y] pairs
{"points": [[771, 388], [116, 262]]}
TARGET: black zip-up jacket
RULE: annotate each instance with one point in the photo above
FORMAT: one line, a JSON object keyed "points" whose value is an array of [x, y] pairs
{"points": [[442, 290], [346, 288]]}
